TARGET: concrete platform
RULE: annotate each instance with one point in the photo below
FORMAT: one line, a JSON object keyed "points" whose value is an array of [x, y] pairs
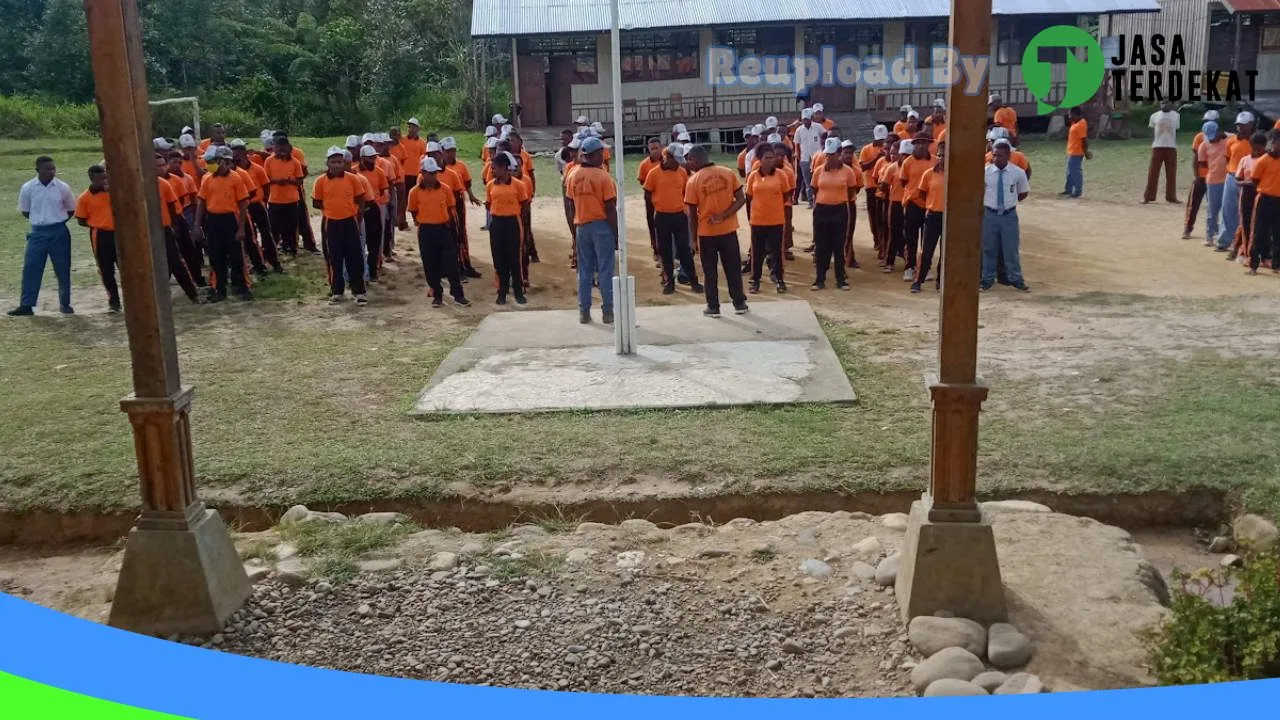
{"points": [[545, 361]]}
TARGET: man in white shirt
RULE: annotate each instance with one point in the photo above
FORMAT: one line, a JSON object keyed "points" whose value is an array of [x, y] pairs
{"points": [[1006, 186], [48, 204], [808, 140], [1164, 152]]}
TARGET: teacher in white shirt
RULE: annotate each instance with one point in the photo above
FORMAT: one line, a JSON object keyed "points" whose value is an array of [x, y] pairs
{"points": [[1164, 152], [48, 203], [1006, 186]]}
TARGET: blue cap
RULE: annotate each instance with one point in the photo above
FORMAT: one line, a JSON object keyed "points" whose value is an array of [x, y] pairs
{"points": [[592, 144], [1210, 130]]}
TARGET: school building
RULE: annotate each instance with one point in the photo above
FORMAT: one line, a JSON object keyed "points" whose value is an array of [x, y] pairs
{"points": [[561, 55]]}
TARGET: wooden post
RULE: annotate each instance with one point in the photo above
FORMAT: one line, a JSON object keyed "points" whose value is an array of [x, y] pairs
{"points": [[176, 576]]}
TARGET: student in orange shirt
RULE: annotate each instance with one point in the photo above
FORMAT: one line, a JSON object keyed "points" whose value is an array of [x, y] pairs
{"points": [[1248, 195], [712, 198], [1211, 157], [184, 187], [524, 162], [933, 191], [651, 161], [220, 211], [93, 211], [768, 187], [849, 156], [1237, 148], [868, 157], [1198, 189], [170, 216], [664, 187], [449, 153], [891, 188], [217, 138], [411, 149], [265, 250], [1266, 214], [505, 197], [374, 211], [568, 156], [751, 138], [341, 199], [1004, 116], [913, 168], [193, 163], [595, 198], [283, 190], [836, 186], [432, 206], [1077, 152]]}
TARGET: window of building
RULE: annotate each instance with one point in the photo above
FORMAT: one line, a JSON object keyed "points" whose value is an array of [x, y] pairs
{"points": [[862, 41], [762, 41], [582, 48], [1270, 40], [928, 37], [1015, 34], [650, 56]]}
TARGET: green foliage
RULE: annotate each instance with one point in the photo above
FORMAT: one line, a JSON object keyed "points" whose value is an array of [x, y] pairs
{"points": [[29, 117], [1203, 642]]}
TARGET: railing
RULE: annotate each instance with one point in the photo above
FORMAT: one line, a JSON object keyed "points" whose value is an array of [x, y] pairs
{"points": [[691, 108], [883, 100]]}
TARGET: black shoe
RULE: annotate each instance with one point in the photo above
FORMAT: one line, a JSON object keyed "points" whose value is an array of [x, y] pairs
{"points": [[261, 272], [782, 287], [437, 302], [983, 287], [915, 287], [684, 280], [216, 298], [1003, 281], [606, 318], [697, 287], [245, 295], [201, 282], [753, 288], [471, 273], [842, 286], [67, 310], [1022, 287], [789, 255], [669, 289], [521, 299], [712, 312], [461, 301], [533, 258], [584, 317], [502, 298], [21, 310], [740, 309], [113, 306]]}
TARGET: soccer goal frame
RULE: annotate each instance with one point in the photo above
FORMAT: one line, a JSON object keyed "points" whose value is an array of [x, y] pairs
{"points": [[195, 110]]}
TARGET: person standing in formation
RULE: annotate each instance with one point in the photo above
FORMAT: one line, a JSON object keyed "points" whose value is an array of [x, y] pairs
{"points": [[1077, 152], [1198, 188], [1248, 196], [93, 211], [651, 160], [664, 188], [220, 220], [1266, 218], [1164, 124], [184, 188], [432, 207], [1006, 186], [1237, 148], [411, 149], [505, 197], [933, 192], [768, 188], [913, 169], [595, 197], [47, 203], [285, 176], [891, 189], [265, 251], [849, 156], [837, 186], [380, 188], [341, 198], [1211, 158], [713, 197], [808, 141], [170, 215], [449, 154], [869, 158]]}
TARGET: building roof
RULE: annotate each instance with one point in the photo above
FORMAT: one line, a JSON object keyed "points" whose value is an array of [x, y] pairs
{"points": [[512, 18], [1248, 6]]}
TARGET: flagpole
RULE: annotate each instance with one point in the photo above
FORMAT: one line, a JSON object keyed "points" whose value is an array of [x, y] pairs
{"points": [[624, 296]]}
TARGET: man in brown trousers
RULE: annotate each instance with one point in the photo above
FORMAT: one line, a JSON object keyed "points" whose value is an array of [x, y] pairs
{"points": [[1164, 152]]}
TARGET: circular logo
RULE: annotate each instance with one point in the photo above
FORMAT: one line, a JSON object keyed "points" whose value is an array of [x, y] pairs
{"points": [[1082, 78]]}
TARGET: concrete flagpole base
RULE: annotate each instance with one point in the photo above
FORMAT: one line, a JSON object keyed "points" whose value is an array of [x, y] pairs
{"points": [[186, 580], [949, 563], [624, 314]]}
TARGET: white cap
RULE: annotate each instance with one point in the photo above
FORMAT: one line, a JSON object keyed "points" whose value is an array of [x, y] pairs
{"points": [[770, 122], [906, 147], [1000, 132], [498, 119], [846, 144], [221, 152], [268, 138], [905, 109], [992, 98], [334, 150], [414, 121], [679, 128], [186, 141], [161, 144], [515, 164], [188, 130], [1211, 115], [429, 165], [490, 131], [774, 139], [346, 155], [940, 103], [748, 131], [687, 147], [368, 138], [832, 146], [211, 153], [237, 144], [806, 114], [1244, 118], [368, 151], [491, 143], [507, 128], [991, 135], [582, 120], [759, 129], [353, 140], [684, 136], [1001, 142], [597, 126], [817, 107], [448, 143], [433, 147], [677, 151], [575, 143], [880, 132], [913, 114]]}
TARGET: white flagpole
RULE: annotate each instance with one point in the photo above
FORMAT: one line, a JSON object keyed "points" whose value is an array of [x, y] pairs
{"points": [[624, 299]]}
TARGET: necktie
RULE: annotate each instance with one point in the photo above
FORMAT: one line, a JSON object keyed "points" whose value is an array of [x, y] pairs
{"points": [[1000, 189]]}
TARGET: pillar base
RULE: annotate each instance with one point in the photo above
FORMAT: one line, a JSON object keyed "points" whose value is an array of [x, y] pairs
{"points": [[949, 565], [185, 581]]}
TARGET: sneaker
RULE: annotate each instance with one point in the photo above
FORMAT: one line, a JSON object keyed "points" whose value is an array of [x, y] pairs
{"points": [[21, 311], [740, 309], [502, 298], [461, 301], [335, 299], [789, 255], [67, 310], [521, 299], [782, 288], [843, 286], [817, 286], [1232, 255], [437, 302], [915, 287], [888, 268], [584, 317], [909, 274], [606, 318], [697, 287], [1186, 236], [754, 288], [472, 273], [1209, 242], [669, 289], [712, 312], [983, 287], [1022, 287], [219, 297], [1221, 249], [113, 307]]}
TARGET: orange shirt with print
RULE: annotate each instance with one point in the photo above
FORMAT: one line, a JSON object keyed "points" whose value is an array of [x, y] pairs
{"points": [[378, 184], [277, 169], [1266, 175], [712, 191], [933, 184], [222, 194], [411, 152], [1007, 118], [590, 188], [892, 173], [833, 185], [768, 195], [666, 187], [1237, 148], [431, 206], [1076, 135], [506, 199], [94, 208], [340, 196]]}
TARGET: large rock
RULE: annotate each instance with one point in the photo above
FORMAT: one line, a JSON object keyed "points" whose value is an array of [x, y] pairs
{"points": [[383, 518], [950, 663], [1020, 684], [292, 571], [295, 515], [1006, 647], [1255, 533], [443, 561], [887, 570], [990, 680], [862, 571], [950, 687], [1015, 506], [815, 568], [894, 521], [577, 556], [931, 634], [868, 548]]}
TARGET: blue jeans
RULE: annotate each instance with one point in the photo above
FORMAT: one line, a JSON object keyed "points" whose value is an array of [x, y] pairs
{"points": [[806, 182], [595, 261], [1230, 212], [1075, 175], [1000, 237], [47, 242], [1215, 193]]}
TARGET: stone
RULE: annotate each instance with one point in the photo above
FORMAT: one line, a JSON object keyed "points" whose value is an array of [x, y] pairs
{"points": [[950, 564], [868, 548], [1020, 684], [578, 556], [522, 624], [953, 662], [257, 573], [587, 528], [380, 565], [364, 610], [944, 614], [950, 687], [894, 521], [887, 570], [292, 572], [693, 529], [286, 550], [815, 568], [384, 518], [1007, 647], [930, 634], [1222, 544], [862, 571], [295, 515], [328, 518], [630, 559], [990, 680], [471, 548], [443, 561], [844, 632], [715, 553], [530, 532], [638, 525], [1015, 506], [1255, 533], [773, 665], [324, 588], [792, 647], [1231, 561]]}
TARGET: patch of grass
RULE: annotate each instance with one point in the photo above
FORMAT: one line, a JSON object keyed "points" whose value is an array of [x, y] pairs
{"points": [[348, 539], [763, 555], [1117, 173], [336, 569], [558, 522], [302, 281], [259, 549], [536, 562]]}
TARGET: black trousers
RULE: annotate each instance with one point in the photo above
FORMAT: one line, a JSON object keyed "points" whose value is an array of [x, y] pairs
{"points": [[191, 251], [874, 217], [439, 254], [932, 236], [671, 233], [651, 221], [1266, 232], [504, 244], [1194, 198], [304, 227], [895, 235], [104, 252], [283, 220], [373, 238], [1248, 200], [848, 235], [226, 255], [265, 248], [461, 238], [766, 241], [724, 250], [178, 269], [912, 225], [527, 249], [344, 254], [829, 227]]}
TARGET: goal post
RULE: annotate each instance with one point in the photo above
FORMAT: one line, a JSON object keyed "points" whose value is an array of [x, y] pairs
{"points": [[195, 109]]}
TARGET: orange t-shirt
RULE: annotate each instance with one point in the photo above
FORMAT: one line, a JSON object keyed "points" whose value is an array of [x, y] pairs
{"points": [[1237, 149], [1214, 155], [877, 175], [834, 185], [913, 169], [869, 154], [1266, 175], [411, 152], [260, 179], [95, 209], [712, 190], [646, 166], [168, 198], [789, 198], [742, 161], [1195, 145], [463, 172], [431, 206], [1006, 118], [893, 171], [1076, 135], [277, 169], [340, 196], [247, 179], [390, 169], [194, 169], [378, 183], [590, 188], [768, 195], [934, 186], [666, 187], [900, 128], [506, 199], [818, 160], [179, 188], [222, 194], [450, 179]]}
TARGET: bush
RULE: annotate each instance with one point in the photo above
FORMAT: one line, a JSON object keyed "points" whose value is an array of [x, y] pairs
{"points": [[1203, 642], [28, 117]]}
